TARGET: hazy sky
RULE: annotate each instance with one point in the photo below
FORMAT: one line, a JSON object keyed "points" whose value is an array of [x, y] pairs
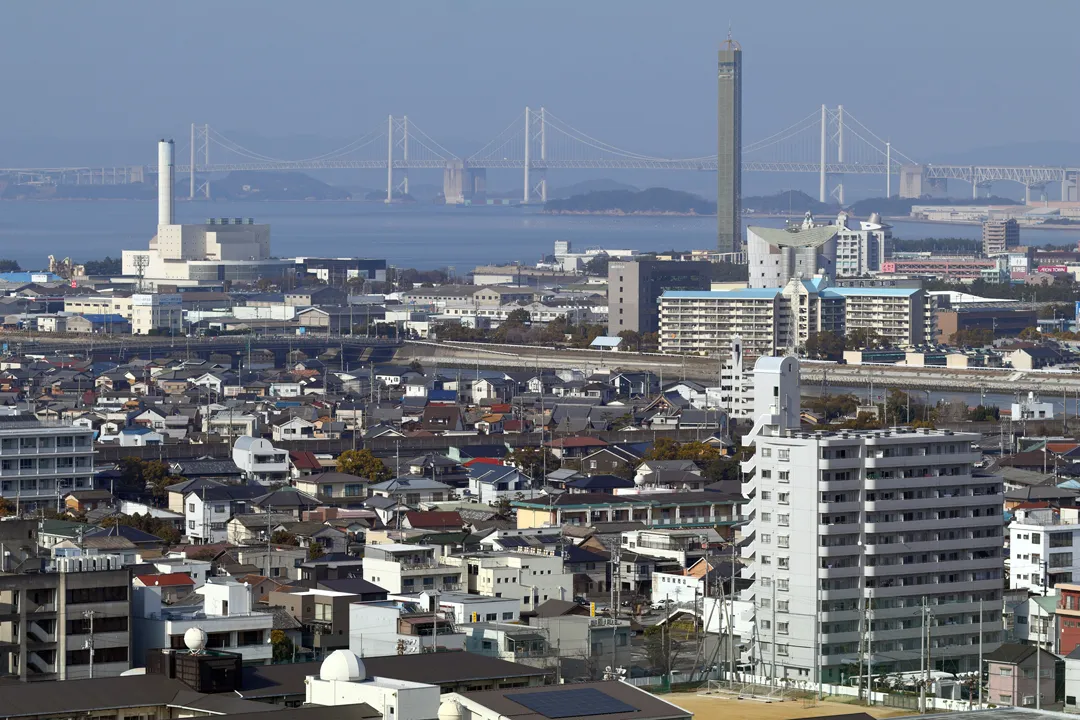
{"points": [[933, 76]]}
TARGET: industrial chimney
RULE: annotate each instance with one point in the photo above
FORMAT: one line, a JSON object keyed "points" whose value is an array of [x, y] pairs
{"points": [[165, 182]]}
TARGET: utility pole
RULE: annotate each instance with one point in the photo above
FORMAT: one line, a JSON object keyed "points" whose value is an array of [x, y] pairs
{"points": [[89, 643], [979, 676], [922, 657]]}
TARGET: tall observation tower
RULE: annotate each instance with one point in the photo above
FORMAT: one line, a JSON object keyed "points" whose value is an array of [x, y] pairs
{"points": [[729, 148]]}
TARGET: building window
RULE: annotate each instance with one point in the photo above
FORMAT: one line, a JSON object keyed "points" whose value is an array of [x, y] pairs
{"points": [[783, 540], [783, 498], [1005, 672], [782, 562], [783, 520], [783, 455], [782, 628], [785, 476], [766, 495], [782, 584], [766, 474], [766, 452]]}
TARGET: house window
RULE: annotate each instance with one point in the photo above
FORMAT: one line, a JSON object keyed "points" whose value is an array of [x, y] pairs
{"points": [[1005, 672], [1005, 698]]}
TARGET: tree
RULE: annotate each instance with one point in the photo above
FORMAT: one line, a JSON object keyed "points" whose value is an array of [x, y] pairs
{"points": [[6, 507], [108, 266], [973, 337], [283, 537], [825, 345], [502, 506], [518, 318], [864, 339], [632, 338], [282, 648], [663, 449], [139, 475], [147, 523], [1029, 333], [315, 551], [662, 649], [362, 463], [697, 451], [9, 266], [597, 265], [533, 461]]}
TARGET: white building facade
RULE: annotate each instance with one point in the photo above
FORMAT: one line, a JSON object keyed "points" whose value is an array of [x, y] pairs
{"points": [[853, 531], [40, 463]]}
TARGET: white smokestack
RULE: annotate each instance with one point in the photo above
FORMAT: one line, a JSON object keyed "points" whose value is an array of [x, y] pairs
{"points": [[165, 182]]}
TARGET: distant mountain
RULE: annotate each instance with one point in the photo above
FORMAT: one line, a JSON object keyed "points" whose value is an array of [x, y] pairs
{"points": [[587, 186], [788, 201], [653, 201], [247, 185]]}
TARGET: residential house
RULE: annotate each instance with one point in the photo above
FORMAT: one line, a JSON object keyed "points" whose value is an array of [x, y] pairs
{"points": [[259, 460], [412, 490], [175, 587], [400, 627], [489, 483], [226, 615], [323, 614], [532, 578], [1011, 671], [332, 485], [402, 568], [208, 510]]}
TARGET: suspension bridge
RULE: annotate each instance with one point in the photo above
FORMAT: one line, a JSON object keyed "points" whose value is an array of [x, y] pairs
{"points": [[829, 142]]}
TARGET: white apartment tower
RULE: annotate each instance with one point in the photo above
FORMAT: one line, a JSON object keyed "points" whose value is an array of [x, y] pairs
{"points": [[852, 532]]}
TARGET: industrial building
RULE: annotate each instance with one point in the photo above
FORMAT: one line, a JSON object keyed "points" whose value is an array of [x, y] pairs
{"points": [[1001, 320], [729, 148], [854, 535], [219, 250], [635, 286]]}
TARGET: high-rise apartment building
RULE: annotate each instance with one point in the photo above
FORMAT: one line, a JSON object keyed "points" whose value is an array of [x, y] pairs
{"points": [[61, 625], [729, 148], [1000, 236], [40, 463], [635, 287], [858, 535]]}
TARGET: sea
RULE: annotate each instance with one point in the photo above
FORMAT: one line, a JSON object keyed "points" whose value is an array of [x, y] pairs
{"points": [[420, 236]]}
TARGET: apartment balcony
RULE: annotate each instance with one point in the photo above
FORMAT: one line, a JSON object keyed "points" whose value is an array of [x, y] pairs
{"points": [[840, 463], [902, 548], [840, 507], [850, 528], [39, 451], [837, 550]]}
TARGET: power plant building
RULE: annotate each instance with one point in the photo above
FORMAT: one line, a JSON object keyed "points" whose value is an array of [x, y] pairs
{"points": [[729, 148], [218, 250]]}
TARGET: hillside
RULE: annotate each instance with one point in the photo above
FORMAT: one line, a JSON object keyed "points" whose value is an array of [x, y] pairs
{"points": [[653, 201], [788, 201], [245, 185]]}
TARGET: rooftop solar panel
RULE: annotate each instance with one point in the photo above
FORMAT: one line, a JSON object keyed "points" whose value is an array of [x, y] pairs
{"points": [[571, 703]]}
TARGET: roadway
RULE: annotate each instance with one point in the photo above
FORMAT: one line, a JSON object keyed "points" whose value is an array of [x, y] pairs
{"points": [[706, 370]]}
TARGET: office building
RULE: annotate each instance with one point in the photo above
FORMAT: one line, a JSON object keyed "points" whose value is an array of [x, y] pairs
{"points": [[772, 321], [999, 236], [66, 623], [860, 252], [1041, 551], [775, 256], [853, 531], [1000, 321], [635, 286], [156, 312], [729, 148], [40, 462]]}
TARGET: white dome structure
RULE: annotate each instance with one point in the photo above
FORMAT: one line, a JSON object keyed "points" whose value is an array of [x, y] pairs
{"points": [[195, 639], [450, 710], [343, 665]]}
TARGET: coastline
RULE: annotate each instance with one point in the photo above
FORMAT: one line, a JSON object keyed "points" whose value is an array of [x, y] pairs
{"points": [[624, 213]]}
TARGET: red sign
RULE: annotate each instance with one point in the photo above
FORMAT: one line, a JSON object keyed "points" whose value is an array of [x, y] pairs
{"points": [[1053, 269]]}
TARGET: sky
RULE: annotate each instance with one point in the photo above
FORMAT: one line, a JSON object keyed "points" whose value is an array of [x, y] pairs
{"points": [[89, 82]]}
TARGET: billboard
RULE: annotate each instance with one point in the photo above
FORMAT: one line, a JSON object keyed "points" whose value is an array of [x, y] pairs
{"points": [[1052, 269]]}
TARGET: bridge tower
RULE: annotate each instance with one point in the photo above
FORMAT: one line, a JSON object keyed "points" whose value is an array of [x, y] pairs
{"points": [[200, 147], [535, 172], [397, 136]]}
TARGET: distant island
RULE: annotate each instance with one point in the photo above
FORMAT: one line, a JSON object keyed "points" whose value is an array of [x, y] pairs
{"points": [[652, 201], [241, 185]]}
